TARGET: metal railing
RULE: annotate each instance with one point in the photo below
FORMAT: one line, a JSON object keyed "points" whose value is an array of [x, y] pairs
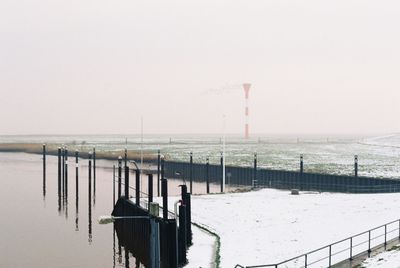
{"points": [[345, 249]]}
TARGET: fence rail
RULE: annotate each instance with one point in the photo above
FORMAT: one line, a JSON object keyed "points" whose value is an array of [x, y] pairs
{"points": [[263, 177], [345, 249]]}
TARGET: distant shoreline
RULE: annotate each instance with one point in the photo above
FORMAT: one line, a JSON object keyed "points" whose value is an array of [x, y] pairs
{"points": [[52, 149]]}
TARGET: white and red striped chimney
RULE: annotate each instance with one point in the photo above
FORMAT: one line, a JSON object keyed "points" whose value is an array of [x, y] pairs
{"points": [[246, 87]]}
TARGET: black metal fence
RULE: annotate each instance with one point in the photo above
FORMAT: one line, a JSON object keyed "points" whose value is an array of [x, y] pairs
{"points": [[343, 250], [280, 179]]}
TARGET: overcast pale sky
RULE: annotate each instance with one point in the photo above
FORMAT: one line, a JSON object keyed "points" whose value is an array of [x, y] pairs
{"points": [[98, 66]]}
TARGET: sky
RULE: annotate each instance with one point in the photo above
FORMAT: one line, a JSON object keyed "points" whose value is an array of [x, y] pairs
{"points": [[98, 67]]}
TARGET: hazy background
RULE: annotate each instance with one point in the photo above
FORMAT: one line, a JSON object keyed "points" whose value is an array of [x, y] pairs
{"points": [[98, 66]]}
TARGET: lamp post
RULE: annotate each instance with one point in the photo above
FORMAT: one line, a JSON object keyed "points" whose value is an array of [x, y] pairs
{"points": [[154, 235]]}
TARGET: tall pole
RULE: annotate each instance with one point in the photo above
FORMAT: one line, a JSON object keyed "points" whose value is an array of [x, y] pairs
{"points": [[223, 156], [246, 88], [191, 172], [158, 172]]}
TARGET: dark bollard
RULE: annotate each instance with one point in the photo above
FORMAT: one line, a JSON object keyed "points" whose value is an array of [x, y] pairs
{"points": [[158, 172], [76, 171], [255, 171], [301, 164], [44, 169], [191, 173], [137, 187], [222, 172], [164, 191], [182, 235], [119, 176], [66, 172], [207, 176], [150, 177], [94, 171], [356, 165], [127, 182], [59, 171]]}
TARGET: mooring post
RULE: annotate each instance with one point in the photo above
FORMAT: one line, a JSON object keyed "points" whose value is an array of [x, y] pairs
{"points": [[44, 169], [207, 176], [356, 165], [182, 242], [255, 171], [164, 191], [119, 176], [222, 172], [127, 182], [150, 178], [59, 171], [137, 187], [158, 172], [191, 172], [66, 171], [94, 171], [301, 164], [76, 173]]}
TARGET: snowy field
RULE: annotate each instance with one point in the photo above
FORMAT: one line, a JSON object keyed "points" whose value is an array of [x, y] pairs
{"points": [[389, 259], [269, 226]]}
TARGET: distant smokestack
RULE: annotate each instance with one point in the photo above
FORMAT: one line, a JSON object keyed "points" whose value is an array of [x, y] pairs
{"points": [[246, 87]]}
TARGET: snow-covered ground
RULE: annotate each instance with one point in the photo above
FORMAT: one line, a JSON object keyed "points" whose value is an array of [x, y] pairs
{"points": [[201, 253], [269, 226], [388, 259]]}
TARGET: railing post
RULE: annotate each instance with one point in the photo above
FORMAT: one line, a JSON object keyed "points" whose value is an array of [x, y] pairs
{"points": [[66, 172], [191, 172], [158, 172], [137, 187], [351, 248], [207, 176], [150, 191], [301, 164], [76, 171], [330, 255], [119, 176], [127, 182], [113, 185], [356, 166], [222, 172], [59, 173], [255, 171], [385, 235], [305, 261], [44, 169], [369, 243], [164, 190], [399, 229], [90, 173], [94, 171]]}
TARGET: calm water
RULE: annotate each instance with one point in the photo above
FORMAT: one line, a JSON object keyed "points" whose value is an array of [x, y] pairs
{"points": [[39, 229]]}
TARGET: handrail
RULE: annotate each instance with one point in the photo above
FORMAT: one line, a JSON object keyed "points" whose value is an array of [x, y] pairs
{"points": [[386, 232]]}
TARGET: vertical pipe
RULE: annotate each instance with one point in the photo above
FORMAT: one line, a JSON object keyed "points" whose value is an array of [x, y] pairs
{"points": [[207, 176], [222, 172], [150, 192], [158, 172], [127, 182], [44, 169], [356, 166], [191, 172], [137, 187], [164, 190], [119, 176]]}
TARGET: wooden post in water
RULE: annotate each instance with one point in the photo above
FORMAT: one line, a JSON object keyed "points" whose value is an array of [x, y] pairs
{"points": [[207, 176], [59, 171], [94, 171], [356, 166], [44, 169], [191, 172], [119, 176], [158, 172], [137, 187], [127, 182], [76, 172], [164, 190], [66, 171]]}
